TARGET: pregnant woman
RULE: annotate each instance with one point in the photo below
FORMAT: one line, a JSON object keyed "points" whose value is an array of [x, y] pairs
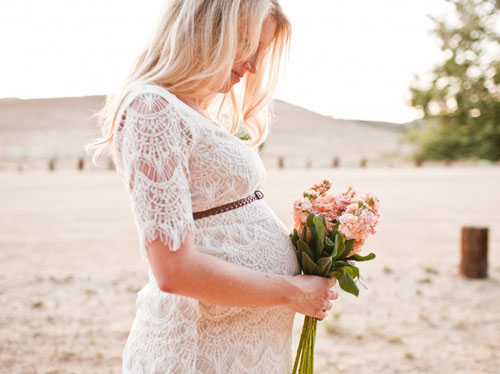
{"points": [[224, 283]]}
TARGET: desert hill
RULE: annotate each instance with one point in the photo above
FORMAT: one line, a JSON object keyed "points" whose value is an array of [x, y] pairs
{"points": [[34, 129]]}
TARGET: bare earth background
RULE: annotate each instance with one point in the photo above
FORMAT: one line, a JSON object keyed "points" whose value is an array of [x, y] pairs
{"points": [[36, 130], [70, 268]]}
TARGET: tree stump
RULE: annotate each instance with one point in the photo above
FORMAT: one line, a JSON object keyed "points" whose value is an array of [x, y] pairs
{"points": [[111, 164], [281, 162], [474, 260], [335, 162], [81, 164], [52, 164]]}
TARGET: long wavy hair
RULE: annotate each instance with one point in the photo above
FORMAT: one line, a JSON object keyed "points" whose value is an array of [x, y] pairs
{"points": [[192, 52]]}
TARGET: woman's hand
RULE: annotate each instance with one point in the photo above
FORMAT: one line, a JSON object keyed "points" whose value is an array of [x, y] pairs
{"points": [[313, 295]]}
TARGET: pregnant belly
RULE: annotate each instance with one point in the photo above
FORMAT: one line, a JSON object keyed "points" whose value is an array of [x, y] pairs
{"points": [[251, 236]]}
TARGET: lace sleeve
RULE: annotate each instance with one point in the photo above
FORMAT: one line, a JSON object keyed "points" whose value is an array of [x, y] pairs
{"points": [[154, 153]]}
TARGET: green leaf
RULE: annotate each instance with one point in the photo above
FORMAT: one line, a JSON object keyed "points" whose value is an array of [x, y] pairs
{"points": [[303, 247], [342, 252], [348, 245], [329, 244], [293, 238], [323, 218], [347, 284], [312, 242], [244, 137], [339, 264], [336, 227], [368, 257], [324, 254], [324, 264], [303, 233], [320, 234], [299, 258], [339, 246], [335, 250], [308, 265], [334, 274], [331, 237], [353, 271], [310, 220]]}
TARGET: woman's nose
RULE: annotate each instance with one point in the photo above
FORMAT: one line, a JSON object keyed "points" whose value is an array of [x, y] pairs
{"points": [[250, 67]]}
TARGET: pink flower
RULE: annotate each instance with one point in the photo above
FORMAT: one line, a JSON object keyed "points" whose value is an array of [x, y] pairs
{"points": [[301, 209], [372, 201], [329, 226], [348, 224], [357, 247], [321, 188], [357, 215]]}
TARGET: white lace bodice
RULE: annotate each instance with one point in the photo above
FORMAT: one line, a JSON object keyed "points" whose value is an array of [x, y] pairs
{"points": [[174, 161]]}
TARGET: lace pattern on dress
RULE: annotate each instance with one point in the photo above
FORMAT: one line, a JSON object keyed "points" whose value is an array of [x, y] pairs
{"points": [[173, 161], [154, 153]]}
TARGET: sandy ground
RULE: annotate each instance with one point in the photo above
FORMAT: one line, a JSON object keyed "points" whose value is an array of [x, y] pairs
{"points": [[70, 269]]}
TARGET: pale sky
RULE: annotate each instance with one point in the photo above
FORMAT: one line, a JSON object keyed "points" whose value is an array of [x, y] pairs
{"points": [[351, 59]]}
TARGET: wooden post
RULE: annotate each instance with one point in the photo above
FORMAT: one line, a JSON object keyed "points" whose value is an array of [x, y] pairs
{"points": [[474, 260], [419, 161], [363, 162], [111, 164], [281, 162], [52, 164], [308, 164], [335, 162], [81, 163]]}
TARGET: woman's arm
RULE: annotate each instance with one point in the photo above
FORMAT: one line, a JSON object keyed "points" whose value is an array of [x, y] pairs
{"points": [[192, 273]]}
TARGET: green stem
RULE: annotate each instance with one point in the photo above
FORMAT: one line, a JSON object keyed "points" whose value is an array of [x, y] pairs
{"points": [[313, 338], [311, 352], [307, 356], [305, 350], [300, 348]]}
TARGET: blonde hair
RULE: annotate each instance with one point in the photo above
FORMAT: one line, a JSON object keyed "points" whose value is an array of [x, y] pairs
{"points": [[192, 52]]}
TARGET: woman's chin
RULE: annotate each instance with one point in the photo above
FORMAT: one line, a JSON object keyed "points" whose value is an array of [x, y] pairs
{"points": [[227, 87]]}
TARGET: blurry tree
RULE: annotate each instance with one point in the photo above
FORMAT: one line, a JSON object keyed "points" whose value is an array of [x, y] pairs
{"points": [[461, 105], [246, 136]]}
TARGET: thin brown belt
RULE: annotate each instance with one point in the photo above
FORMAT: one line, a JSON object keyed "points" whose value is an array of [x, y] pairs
{"points": [[257, 195]]}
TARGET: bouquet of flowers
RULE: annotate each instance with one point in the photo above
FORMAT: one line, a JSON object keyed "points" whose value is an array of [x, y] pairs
{"points": [[328, 233]]}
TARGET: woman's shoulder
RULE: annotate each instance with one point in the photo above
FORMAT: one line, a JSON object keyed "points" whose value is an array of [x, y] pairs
{"points": [[151, 99], [148, 99], [149, 116], [150, 104]]}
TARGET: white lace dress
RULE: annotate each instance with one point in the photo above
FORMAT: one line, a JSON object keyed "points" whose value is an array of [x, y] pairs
{"points": [[174, 161]]}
